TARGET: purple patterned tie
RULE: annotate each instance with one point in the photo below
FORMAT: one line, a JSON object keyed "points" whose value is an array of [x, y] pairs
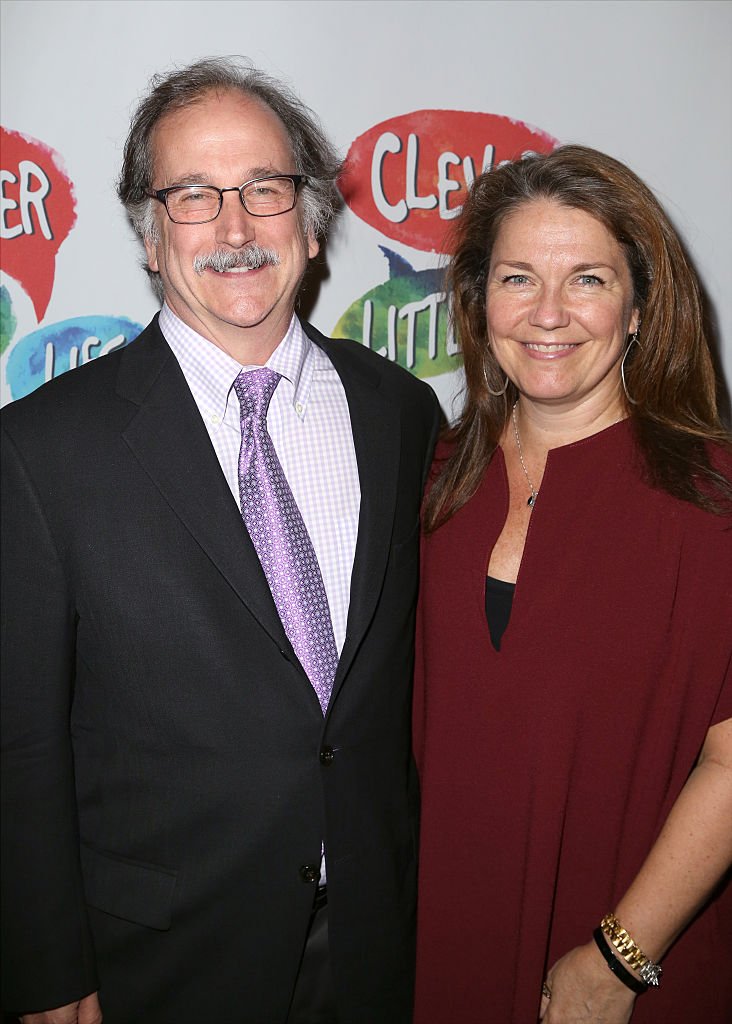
{"points": [[280, 536]]}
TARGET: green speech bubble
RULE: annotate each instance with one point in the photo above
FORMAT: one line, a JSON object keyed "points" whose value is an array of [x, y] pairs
{"points": [[405, 319]]}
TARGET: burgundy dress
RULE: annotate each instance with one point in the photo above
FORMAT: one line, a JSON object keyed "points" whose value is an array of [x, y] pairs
{"points": [[548, 768]]}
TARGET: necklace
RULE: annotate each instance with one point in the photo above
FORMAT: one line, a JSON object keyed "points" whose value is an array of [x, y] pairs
{"points": [[534, 493]]}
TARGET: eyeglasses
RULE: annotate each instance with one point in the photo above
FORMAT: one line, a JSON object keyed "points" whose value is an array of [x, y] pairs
{"points": [[261, 197]]}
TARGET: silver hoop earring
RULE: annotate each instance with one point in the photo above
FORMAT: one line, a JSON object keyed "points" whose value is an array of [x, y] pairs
{"points": [[496, 394], [633, 341]]}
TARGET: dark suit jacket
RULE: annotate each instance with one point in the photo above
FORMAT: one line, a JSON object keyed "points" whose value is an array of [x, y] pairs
{"points": [[167, 777]]}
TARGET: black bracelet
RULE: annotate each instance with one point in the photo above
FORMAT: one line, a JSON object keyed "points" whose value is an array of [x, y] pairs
{"points": [[637, 986]]}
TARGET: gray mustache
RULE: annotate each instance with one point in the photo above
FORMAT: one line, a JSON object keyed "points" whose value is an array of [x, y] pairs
{"points": [[252, 257]]}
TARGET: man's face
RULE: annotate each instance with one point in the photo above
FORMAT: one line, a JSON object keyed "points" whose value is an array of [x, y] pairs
{"points": [[225, 140]]}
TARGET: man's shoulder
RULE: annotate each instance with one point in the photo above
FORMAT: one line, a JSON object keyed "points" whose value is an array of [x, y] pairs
{"points": [[88, 387]]}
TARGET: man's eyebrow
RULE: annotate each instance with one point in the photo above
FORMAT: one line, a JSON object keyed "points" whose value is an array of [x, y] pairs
{"points": [[203, 178], [192, 178]]}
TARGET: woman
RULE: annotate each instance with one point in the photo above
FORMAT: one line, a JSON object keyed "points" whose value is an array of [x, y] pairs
{"points": [[573, 721]]}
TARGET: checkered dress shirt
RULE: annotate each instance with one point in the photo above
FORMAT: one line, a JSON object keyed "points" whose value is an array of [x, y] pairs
{"points": [[310, 426]]}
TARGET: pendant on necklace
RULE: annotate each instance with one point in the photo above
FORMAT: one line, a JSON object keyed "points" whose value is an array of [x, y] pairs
{"points": [[534, 493]]}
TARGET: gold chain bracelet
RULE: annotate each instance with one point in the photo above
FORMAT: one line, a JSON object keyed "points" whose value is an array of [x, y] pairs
{"points": [[633, 955]]}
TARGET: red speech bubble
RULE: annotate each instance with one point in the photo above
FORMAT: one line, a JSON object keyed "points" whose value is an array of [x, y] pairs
{"points": [[409, 176], [37, 212]]}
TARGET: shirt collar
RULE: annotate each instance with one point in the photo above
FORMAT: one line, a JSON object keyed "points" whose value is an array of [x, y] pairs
{"points": [[294, 360], [210, 372]]}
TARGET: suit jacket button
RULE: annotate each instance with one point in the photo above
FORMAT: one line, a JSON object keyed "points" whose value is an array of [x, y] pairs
{"points": [[309, 873], [327, 755]]}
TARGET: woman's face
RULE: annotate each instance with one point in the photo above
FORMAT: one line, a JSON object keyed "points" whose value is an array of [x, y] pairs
{"points": [[559, 306]]}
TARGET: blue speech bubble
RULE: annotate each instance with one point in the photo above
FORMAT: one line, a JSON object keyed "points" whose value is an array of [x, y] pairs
{"points": [[56, 348]]}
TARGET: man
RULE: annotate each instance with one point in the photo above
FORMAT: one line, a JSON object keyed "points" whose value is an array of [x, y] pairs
{"points": [[211, 557]]}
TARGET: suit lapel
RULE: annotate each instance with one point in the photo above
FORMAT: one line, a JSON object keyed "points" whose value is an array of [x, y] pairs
{"points": [[375, 422], [170, 441]]}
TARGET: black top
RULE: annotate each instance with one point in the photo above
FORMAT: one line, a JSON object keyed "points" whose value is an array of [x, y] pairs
{"points": [[498, 601]]}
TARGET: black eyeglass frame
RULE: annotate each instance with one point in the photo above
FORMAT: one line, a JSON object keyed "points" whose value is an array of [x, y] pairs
{"points": [[161, 194]]}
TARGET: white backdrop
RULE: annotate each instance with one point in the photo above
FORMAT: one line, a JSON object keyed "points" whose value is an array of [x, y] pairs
{"points": [[649, 82]]}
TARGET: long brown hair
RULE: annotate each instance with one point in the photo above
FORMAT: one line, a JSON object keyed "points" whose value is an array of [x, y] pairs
{"points": [[669, 374]]}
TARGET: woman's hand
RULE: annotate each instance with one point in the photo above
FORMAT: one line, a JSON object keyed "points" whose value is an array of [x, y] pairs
{"points": [[86, 1011], [584, 991], [690, 856]]}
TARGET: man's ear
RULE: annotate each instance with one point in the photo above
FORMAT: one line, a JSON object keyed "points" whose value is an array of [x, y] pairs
{"points": [[152, 254], [313, 246]]}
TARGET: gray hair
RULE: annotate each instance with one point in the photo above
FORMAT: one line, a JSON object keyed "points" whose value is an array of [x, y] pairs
{"points": [[315, 157]]}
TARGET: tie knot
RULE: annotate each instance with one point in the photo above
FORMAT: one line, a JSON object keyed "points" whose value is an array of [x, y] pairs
{"points": [[255, 389]]}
